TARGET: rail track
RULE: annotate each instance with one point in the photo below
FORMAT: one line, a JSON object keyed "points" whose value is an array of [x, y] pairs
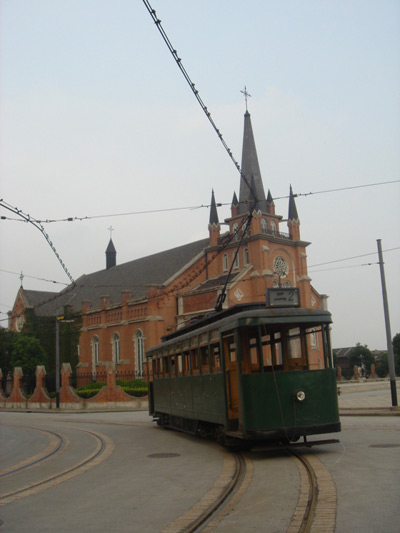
{"points": [[57, 443], [317, 503], [102, 449], [315, 510], [209, 511]]}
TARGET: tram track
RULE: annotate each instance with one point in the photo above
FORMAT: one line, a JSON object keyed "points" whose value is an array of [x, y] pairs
{"points": [[104, 446], [57, 444], [315, 510], [204, 515], [317, 502]]}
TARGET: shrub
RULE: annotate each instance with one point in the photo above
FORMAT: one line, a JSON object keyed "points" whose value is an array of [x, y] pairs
{"points": [[135, 387], [87, 393], [138, 392], [90, 390]]}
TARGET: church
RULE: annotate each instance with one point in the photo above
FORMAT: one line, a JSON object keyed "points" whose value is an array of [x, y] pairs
{"points": [[125, 309]]}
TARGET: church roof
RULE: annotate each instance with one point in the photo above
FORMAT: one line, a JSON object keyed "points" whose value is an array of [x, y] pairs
{"points": [[250, 196], [33, 298], [134, 276]]}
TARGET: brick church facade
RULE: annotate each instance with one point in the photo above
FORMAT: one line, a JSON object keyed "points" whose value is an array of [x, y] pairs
{"points": [[127, 308]]}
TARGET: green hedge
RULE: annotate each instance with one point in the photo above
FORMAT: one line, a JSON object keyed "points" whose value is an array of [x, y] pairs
{"points": [[135, 387]]}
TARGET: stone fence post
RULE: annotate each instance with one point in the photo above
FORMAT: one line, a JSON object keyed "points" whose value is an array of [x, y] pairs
{"points": [[68, 397], [372, 372], [17, 397], [40, 397]]}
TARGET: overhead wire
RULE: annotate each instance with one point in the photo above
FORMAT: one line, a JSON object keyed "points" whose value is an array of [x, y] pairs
{"points": [[39, 227], [184, 208]]}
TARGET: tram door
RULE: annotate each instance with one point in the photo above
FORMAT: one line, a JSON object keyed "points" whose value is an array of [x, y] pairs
{"points": [[231, 375]]}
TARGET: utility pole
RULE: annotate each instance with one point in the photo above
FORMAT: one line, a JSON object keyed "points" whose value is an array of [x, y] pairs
{"points": [[392, 372], [58, 318]]}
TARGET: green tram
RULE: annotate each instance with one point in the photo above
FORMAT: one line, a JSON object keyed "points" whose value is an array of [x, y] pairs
{"points": [[244, 373]]}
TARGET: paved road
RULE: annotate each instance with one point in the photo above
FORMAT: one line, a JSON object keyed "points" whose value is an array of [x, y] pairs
{"points": [[144, 477]]}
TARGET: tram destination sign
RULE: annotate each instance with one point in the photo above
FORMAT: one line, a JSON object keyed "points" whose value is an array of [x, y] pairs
{"points": [[283, 297]]}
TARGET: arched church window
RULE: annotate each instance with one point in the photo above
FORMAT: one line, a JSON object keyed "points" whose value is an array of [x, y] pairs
{"points": [[95, 353], [235, 230], [236, 261], [273, 227], [115, 347], [138, 339], [246, 256], [264, 226], [225, 262]]}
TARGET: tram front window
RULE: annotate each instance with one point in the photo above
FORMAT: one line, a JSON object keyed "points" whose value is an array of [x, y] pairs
{"points": [[294, 344]]}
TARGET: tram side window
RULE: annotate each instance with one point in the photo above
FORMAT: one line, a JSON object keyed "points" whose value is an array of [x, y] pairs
{"points": [[179, 364], [165, 366], [204, 359], [232, 352], [215, 358], [194, 361], [172, 366], [186, 363]]}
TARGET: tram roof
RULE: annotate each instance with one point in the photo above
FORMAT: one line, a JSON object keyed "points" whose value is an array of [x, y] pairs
{"points": [[248, 315]]}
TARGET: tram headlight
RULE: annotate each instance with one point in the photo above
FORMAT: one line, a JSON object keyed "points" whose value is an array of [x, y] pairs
{"points": [[300, 396]]}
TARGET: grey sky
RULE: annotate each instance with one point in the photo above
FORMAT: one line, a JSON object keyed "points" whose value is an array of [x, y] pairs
{"points": [[97, 119]]}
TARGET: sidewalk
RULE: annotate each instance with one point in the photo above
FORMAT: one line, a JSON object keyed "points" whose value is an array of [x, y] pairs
{"points": [[367, 398]]}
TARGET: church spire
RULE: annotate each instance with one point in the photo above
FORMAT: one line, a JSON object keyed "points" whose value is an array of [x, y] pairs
{"points": [[213, 211], [250, 197], [213, 227], [293, 218], [111, 255]]}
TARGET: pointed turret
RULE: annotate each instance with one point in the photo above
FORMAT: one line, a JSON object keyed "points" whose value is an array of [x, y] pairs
{"points": [[293, 218], [111, 255], [270, 203], [234, 205], [250, 197], [213, 211], [213, 226]]}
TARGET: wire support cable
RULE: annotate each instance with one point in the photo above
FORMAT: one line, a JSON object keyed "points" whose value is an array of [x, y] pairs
{"points": [[39, 227], [192, 86]]}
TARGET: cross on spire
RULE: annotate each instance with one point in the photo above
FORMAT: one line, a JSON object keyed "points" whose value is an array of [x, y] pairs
{"points": [[246, 95], [110, 229]]}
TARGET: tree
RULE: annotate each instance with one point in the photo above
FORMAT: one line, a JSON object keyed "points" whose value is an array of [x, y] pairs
{"points": [[361, 355], [383, 368], [27, 353], [7, 341], [396, 353], [43, 328]]}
